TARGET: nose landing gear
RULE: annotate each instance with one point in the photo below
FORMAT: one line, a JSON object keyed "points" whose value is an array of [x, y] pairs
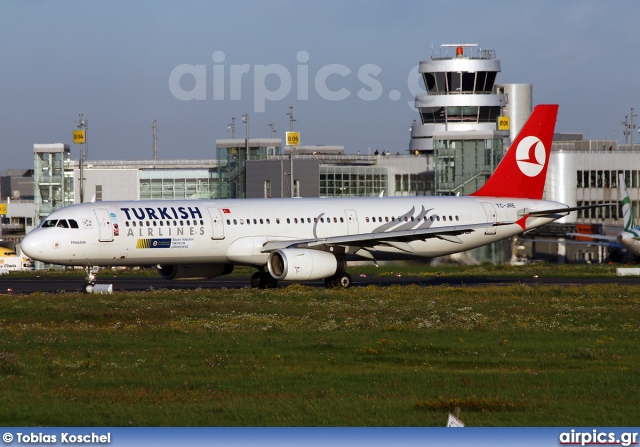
{"points": [[90, 281]]}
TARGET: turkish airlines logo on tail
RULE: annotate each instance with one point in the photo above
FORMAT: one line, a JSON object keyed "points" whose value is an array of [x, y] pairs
{"points": [[531, 156]]}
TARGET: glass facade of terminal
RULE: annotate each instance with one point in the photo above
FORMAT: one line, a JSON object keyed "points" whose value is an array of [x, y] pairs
{"points": [[232, 156], [54, 184], [179, 184], [352, 181], [463, 166]]}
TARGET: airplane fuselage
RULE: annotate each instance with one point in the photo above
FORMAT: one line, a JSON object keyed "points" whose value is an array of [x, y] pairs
{"points": [[235, 231]]}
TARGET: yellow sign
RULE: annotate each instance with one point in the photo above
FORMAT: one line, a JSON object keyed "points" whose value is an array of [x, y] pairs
{"points": [[78, 136], [293, 138], [503, 123], [3, 208]]}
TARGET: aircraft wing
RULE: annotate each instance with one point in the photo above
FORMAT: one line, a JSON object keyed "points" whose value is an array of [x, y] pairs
{"points": [[604, 243], [557, 211], [398, 239], [597, 237]]}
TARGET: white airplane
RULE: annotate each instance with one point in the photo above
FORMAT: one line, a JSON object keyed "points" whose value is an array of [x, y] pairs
{"points": [[303, 238], [629, 238]]}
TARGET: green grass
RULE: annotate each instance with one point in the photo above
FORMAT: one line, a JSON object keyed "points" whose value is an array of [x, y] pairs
{"points": [[303, 356]]}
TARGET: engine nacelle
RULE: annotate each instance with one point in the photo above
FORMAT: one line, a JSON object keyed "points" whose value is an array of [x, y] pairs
{"points": [[301, 264], [194, 271]]}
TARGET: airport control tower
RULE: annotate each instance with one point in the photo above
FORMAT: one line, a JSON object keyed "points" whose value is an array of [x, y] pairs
{"points": [[460, 129]]}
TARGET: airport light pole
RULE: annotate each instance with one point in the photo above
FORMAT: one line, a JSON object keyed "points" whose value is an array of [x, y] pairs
{"points": [[632, 126], [291, 120], [245, 119], [232, 127], [83, 125]]}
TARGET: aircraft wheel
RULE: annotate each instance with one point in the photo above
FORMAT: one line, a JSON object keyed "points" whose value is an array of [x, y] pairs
{"points": [[343, 281], [268, 282], [255, 280], [330, 282], [88, 287]]}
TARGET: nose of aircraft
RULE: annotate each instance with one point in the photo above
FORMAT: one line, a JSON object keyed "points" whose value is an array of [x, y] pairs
{"points": [[33, 245], [625, 239]]}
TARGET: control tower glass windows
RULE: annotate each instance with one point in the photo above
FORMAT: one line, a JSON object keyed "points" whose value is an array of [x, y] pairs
{"points": [[452, 82], [468, 82], [485, 81], [441, 115], [432, 115], [435, 82], [488, 114]]}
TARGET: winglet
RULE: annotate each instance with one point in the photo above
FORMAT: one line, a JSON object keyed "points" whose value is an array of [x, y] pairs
{"points": [[523, 170]]}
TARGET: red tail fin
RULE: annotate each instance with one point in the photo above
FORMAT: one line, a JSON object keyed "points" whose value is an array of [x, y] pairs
{"points": [[523, 170]]}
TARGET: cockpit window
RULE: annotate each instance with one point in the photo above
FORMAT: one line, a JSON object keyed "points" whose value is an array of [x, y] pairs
{"points": [[60, 223]]}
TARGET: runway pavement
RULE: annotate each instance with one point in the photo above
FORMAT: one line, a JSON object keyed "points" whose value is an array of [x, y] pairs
{"points": [[58, 284]]}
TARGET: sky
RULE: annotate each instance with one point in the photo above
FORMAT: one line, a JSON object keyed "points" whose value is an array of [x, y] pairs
{"points": [[346, 67]]}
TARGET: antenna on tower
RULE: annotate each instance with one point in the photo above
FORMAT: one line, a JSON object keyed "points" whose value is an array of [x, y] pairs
{"points": [[155, 141]]}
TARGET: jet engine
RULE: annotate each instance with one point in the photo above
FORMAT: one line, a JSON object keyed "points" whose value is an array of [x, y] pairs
{"points": [[194, 271], [301, 264]]}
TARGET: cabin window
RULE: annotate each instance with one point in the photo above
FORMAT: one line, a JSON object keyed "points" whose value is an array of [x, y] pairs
{"points": [[278, 220], [235, 222], [366, 219], [248, 221]]}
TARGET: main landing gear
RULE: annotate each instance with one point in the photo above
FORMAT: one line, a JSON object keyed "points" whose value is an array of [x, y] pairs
{"points": [[263, 280], [340, 280], [91, 278]]}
